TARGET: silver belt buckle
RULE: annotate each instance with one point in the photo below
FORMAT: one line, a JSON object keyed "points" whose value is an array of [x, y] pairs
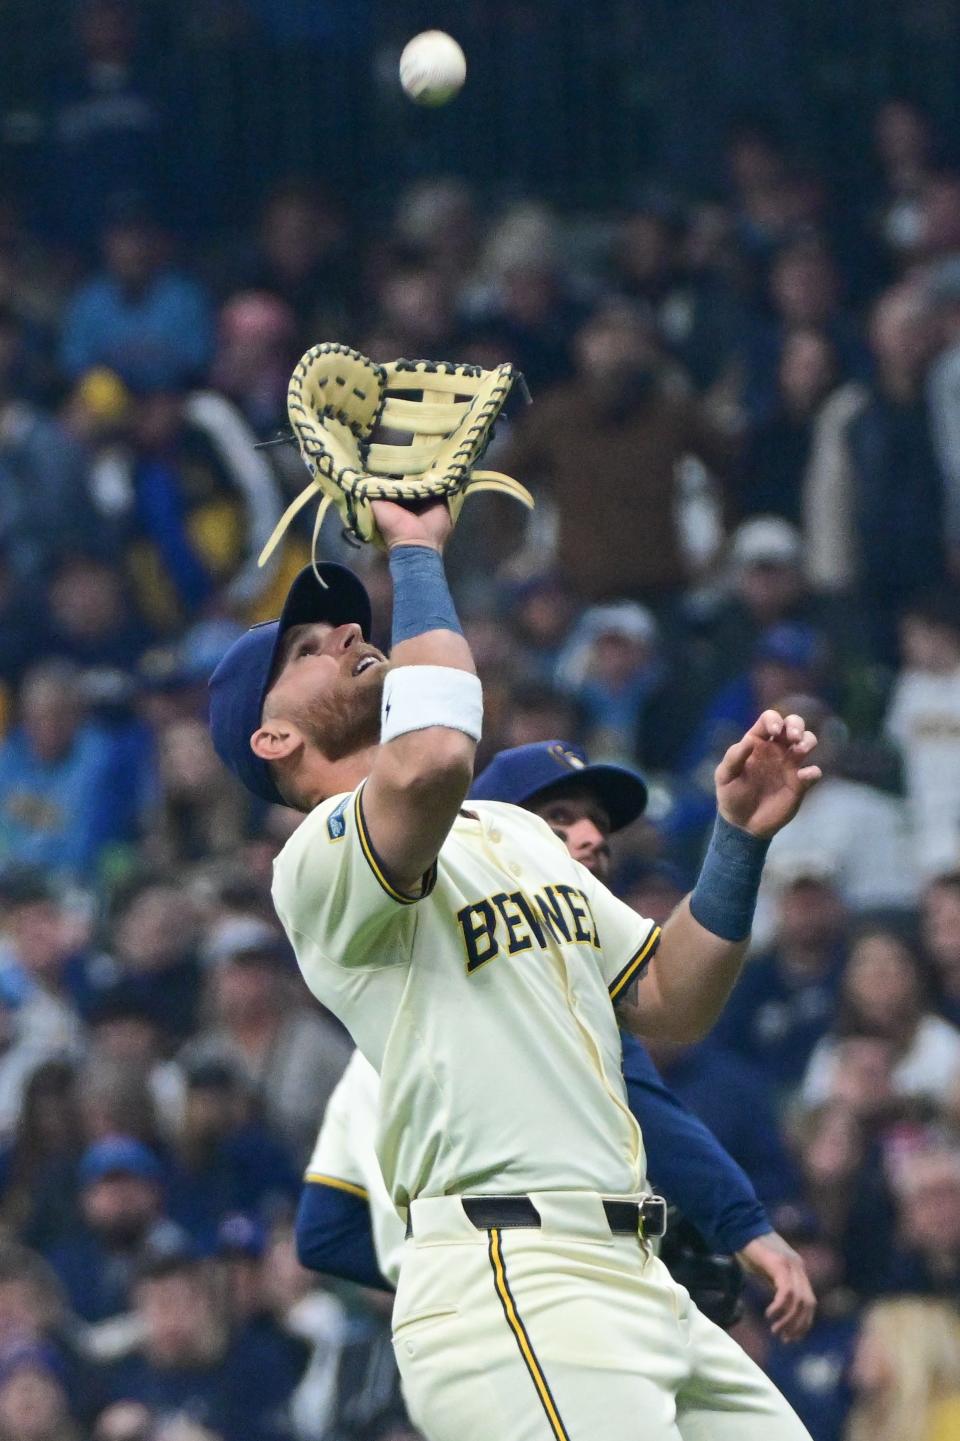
{"points": [[652, 1219]]}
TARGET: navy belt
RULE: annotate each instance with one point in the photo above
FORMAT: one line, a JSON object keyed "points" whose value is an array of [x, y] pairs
{"points": [[504, 1213]]}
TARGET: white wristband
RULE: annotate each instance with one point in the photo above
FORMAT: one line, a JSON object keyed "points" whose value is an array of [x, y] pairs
{"points": [[416, 697]]}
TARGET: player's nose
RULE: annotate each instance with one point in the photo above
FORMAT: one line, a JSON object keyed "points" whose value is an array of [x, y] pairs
{"points": [[587, 836], [343, 637]]}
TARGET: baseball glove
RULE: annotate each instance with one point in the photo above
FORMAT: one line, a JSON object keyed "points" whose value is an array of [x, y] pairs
{"points": [[346, 413]]}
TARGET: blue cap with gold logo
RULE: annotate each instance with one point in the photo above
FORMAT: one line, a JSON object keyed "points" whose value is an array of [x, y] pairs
{"points": [[531, 772]]}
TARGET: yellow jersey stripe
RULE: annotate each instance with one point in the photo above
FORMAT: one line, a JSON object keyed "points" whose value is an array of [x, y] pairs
{"points": [[523, 1340], [316, 1179], [373, 861], [636, 961]]}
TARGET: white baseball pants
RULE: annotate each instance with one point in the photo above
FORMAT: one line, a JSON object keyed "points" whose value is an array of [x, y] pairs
{"points": [[566, 1333]]}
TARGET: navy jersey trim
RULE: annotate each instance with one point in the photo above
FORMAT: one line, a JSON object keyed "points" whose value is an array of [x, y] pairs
{"points": [[377, 867], [635, 965]]}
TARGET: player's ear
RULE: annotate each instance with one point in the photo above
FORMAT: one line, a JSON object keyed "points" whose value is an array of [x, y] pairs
{"points": [[276, 740]]}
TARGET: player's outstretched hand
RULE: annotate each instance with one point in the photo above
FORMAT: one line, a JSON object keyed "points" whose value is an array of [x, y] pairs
{"points": [[794, 1305], [427, 523], [764, 777]]}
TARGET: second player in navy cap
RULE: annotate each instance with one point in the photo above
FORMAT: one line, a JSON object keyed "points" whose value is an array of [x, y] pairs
{"points": [[519, 774]]}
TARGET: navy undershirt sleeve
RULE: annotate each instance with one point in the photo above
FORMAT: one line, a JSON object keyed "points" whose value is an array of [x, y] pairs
{"points": [[334, 1235], [687, 1161]]}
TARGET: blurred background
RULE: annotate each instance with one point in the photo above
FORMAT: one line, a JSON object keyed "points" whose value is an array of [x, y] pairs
{"points": [[722, 240]]}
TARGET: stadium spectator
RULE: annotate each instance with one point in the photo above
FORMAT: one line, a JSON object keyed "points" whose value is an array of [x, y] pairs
{"points": [[875, 492], [612, 666], [116, 1099], [199, 812], [91, 621], [44, 508], [121, 1202], [188, 1363], [32, 1303], [620, 415], [38, 961], [291, 1053], [417, 307], [38, 1187], [301, 255], [762, 586], [536, 713], [256, 351], [923, 721], [154, 938], [108, 130], [138, 317], [526, 295], [829, 841], [224, 1157], [926, 1257], [56, 808], [34, 1405], [940, 928], [659, 263], [777, 449], [906, 1372], [943, 288], [789, 658], [242, 1259], [804, 295], [188, 505], [845, 1184], [883, 994], [785, 1000], [905, 150], [539, 611]]}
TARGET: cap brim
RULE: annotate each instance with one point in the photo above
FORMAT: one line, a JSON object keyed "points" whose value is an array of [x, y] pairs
{"points": [[621, 792]]}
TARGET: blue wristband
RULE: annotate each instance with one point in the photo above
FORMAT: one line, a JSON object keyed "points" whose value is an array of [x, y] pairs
{"points": [[421, 596], [725, 896]]}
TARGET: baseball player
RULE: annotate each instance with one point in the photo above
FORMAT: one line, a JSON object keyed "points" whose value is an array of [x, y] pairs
{"points": [[346, 1223], [482, 971]]}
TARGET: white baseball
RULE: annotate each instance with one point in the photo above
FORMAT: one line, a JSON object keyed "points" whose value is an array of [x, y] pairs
{"points": [[432, 68]]}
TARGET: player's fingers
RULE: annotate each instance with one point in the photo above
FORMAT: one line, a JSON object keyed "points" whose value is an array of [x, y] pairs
{"points": [[806, 744], [782, 1311], [767, 727], [792, 1317], [736, 758], [793, 729], [808, 776]]}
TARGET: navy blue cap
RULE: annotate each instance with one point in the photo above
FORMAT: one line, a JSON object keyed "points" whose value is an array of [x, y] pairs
{"points": [[791, 643], [240, 1235], [526, 772], [240, 681], [118, 1156]]}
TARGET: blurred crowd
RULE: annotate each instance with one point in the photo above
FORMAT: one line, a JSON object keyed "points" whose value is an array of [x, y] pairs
{"points": [[745, 448]]}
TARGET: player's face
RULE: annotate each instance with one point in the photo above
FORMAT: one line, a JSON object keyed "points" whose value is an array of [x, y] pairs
{"points": [[329, 682], [584, 827]]}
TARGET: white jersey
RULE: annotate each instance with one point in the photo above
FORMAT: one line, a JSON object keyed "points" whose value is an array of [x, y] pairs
{"points": [[345, 1157], [484, 1004]]}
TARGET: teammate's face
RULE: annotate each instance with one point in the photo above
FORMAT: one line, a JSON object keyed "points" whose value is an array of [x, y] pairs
{"points": [[329, 682], [584, 827]]}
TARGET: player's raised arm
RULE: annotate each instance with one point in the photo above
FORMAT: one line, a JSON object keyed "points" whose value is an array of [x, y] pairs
{"points": [[760, 783], [432, 703]]}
